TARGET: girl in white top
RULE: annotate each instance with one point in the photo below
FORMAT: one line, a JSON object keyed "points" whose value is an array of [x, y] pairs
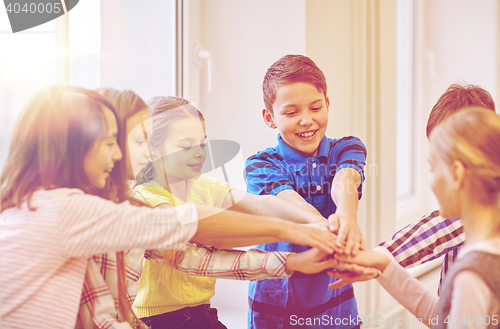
{"points": [[465, 166], [61, 173]]}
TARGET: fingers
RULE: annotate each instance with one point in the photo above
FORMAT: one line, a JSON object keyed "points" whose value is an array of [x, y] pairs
{"points": [[325, 265], [352, 268], [348, 277], [322, 240], [363, 243], [349, 248], [333, 223], [338, 284], [357, 245], [320, 225], [343, 257], [342, 236]]}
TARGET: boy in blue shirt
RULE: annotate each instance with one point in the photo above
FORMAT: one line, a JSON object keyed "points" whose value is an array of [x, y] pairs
{"points": [[310, 170]]}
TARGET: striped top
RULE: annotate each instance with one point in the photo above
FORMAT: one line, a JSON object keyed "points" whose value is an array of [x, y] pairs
{"points": [[427, 239], [44, 253]]}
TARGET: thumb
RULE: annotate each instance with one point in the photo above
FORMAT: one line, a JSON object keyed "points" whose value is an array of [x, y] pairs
{"points": [[333, 223], [327, 264]]}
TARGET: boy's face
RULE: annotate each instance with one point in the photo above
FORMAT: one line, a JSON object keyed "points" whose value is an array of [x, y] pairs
{"points": [[300, 115]]}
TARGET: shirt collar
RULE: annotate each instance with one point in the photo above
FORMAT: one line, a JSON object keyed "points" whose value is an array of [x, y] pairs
{"points": [[292, 157]]}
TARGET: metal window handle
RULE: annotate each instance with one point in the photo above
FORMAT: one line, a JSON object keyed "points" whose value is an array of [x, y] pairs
{"points": [[199, 55]]}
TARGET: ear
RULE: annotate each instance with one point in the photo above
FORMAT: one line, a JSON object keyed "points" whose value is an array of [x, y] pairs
{"points": [[327, 104], [268, 119], [458, 172]]}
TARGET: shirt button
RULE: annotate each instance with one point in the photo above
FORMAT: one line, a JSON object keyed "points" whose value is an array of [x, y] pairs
{"points": [[314, 165], [318, 187]]}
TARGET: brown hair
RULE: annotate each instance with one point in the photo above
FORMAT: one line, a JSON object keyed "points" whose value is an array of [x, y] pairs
{"points": [[291, 69], [50, 140], [473, 138], [126, 103], [165, 111], [454, 99]]}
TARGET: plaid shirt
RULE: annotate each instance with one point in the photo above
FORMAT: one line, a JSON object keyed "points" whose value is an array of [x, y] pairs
{"points": [[427, 239], [99, 303]]}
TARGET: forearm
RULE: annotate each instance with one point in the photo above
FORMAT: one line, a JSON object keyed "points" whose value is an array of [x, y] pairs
{"points": [[413, 245], [408, 291], [277, 207], [293, 197], [345, 192], [217, 228], [268, 205], [234, 264], [228, 243]]}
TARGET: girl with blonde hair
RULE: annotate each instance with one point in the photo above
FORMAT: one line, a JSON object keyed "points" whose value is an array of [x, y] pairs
{"points": [[464, 158]]}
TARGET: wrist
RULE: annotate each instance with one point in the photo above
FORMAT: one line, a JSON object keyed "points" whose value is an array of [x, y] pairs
{"points": [[382, 262], [351, 215], [316, 219], [291, 263], [283, 228]]}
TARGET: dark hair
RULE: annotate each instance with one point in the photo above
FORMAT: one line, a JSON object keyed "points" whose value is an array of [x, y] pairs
{"points": [[126, 103], [51, 137], [291, 69], [455, 98]]}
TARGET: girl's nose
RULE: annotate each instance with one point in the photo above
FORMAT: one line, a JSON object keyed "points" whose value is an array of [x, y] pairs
{"points": [[146, 153], [117, 154], [199, 151]]}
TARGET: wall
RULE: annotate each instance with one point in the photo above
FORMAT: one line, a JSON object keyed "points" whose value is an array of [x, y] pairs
{"points": [[136, 46], [244, 38]]}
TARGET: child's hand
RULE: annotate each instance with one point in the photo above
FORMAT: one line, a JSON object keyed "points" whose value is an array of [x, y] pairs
{"points": [[322, 226], [314, 261], [349, 236], [307, 235], [367, 258], [310, 261], [313, 218], [348, 277]]}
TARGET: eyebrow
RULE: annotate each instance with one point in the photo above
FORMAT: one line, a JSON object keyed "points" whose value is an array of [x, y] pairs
{"points": [[295, 105], [188, 139], [318, 100]]}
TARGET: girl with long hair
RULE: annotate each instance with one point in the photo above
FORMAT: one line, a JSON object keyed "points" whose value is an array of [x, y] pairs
{"points": [[464, 158], [59, 192], [106, 273], [167, 297]]}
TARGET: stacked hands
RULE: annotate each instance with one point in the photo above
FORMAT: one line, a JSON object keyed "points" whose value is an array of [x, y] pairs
{"points": [[338, 246]]}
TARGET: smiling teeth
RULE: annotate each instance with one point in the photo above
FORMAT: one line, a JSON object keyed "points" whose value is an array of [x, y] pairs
{"points": [[309, 134]]}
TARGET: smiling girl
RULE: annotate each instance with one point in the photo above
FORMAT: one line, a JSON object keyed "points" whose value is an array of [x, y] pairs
{"points": [[61, 174], [112, 279], [167, 297]]}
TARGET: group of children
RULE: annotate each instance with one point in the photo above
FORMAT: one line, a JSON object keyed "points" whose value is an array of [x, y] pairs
{"points": [[108, 222]]}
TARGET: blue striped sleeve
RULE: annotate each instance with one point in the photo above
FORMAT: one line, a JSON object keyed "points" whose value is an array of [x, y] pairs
{"points": [[264, 176], [349, 152]]}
